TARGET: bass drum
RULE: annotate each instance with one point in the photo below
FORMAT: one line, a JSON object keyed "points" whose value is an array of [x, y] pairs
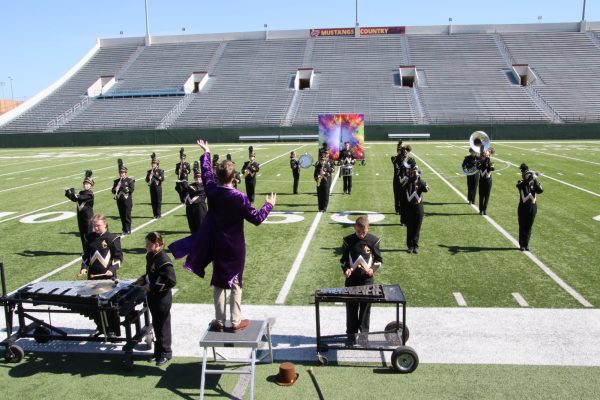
{"points": [[305, 160]]}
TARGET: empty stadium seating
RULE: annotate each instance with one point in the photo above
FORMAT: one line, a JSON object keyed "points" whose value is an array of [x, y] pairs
{"points": [[460, 78]]}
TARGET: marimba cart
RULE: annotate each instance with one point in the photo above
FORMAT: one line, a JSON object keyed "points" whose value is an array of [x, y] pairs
{"points": [[110, 304], [393, 338]]}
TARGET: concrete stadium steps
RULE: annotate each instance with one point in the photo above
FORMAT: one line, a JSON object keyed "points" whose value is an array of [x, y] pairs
{"points": [[250, 85], [107, 61]]}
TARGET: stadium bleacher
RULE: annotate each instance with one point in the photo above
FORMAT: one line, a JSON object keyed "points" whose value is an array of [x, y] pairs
{"points": [[460, 78]]}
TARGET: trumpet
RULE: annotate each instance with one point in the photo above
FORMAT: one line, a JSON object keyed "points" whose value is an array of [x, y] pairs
{"points": [[246, 172]]}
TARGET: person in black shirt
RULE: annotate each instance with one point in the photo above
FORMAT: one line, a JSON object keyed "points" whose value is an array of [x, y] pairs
{"points": [[361, 257], [529, 188], [85, 206], [469, 165], [250, 169], [123, 192], [323, 173], [295, 166], [158, 281], [485, 166], [414, 189], [155, 177], [182, 170], [347, 161], [399, 179], [195, 201], [102, 256]]}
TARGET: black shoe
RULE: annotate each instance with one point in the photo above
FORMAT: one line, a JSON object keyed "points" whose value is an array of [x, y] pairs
{"points": [[410, 249], [416, 250], [526, 248], [162, 361], [522, 248], [480, 212]]}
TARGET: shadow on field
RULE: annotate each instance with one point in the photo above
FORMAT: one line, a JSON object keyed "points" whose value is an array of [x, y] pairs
{"points": [[39, 253], [165, 233], [442, 203], [135, 250], [180, 378], [472, 249], [432, 214]]}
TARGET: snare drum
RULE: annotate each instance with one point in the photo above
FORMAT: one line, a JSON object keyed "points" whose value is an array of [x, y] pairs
{"points": [[346, 170]]}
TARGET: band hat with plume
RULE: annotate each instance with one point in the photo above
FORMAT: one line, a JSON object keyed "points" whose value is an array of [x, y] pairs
{"points": [[229, 158], [121, 166], [251, 152], [154, 159], [88, 177], [196, 169], [523, 167], [181, 153]]}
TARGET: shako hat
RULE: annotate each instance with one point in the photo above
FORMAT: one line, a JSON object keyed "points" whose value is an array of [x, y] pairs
{"points": [[88, 177], [122, 168], [154, 159]]}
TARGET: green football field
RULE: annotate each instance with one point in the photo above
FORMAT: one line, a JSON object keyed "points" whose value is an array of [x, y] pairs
{"points": [[298, 249]]}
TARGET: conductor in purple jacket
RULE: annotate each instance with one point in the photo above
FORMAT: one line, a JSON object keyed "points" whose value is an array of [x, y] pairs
{"points": [[220, 239]]}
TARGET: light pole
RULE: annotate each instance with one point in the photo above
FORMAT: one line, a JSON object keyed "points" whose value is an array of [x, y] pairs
{"points": [[583, 13], [12, 96], [147, 24], [2, 84]]}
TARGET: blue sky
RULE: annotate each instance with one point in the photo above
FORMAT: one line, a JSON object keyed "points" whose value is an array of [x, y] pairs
{"points": [[41, 39]]}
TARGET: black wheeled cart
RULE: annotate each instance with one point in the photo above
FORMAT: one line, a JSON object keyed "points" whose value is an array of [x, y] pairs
{"points": [[111, 304], [393, 338]]}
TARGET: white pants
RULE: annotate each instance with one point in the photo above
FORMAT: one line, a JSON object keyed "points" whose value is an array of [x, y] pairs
{"points": [[235, 303]]}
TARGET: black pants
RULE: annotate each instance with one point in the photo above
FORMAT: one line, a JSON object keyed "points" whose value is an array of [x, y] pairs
{"points": [[296, 175], [250, 186], [414, 219], [160, 308], [472, 181], [156, 200], [526, 213], [85, 226], [358, 314], [323, 195], [347, 183], [398, 194], [195, 214], [485, 188], [180, 188], [402, 206], [124, 206]]}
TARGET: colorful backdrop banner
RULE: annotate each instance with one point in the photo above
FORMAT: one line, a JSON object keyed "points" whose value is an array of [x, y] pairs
{"points": [[336, 129]]}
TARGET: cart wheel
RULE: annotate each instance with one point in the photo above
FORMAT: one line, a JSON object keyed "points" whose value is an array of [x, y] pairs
{"points": [[321, 359], [41, 334], [396, 326], [405, 359], [13, 354]]}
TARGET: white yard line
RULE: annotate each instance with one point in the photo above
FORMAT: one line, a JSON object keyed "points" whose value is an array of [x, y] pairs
{"points": [[520, 299], [285, 289], [551, 154], [460, 300], [54, 165], [507, 235]]}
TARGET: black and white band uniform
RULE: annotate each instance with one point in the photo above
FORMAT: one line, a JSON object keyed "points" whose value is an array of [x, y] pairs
{"points": [[102, 254], [347, 161], [528, 188], [414, 189], [182, 170], [250, 169], [154, 178], [323, 173], [160, 278], [399, 178], [195, 202], [295, 166], [85, 206], [469, 162], [357, 255], [485, 183], [122, 190]]}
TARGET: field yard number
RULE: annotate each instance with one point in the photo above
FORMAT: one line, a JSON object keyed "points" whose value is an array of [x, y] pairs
{"points": [[43, 217], [342, 217], [287, 217]]}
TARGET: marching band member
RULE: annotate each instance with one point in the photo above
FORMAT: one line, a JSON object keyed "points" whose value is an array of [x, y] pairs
{"points": [[250, 169], [195, 200], [123, 192], [399, 178], [155, 177], [361, 257], [182, 170], [220, 239], [158, 281], [414, 187], [295, 166], [529, 188], [85, 206], [102, 256], [470, 161], [347, 160], [485, 167], [238, 175], [323, 173]]}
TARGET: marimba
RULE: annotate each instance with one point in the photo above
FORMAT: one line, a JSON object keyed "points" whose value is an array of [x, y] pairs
{"points": [[112, 305]]}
